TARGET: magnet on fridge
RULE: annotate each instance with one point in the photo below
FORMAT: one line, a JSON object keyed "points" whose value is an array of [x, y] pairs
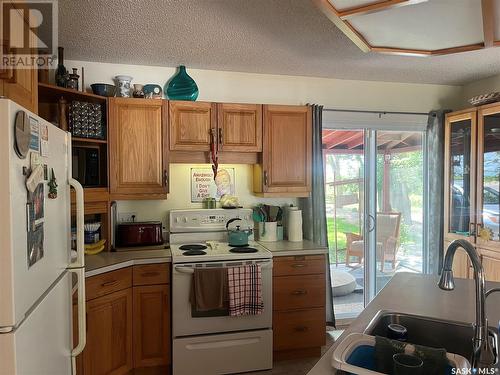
{"points": [[52, 185], [35, 178]]}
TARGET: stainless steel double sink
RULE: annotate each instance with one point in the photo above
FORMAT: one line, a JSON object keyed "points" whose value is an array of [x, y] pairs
{"points": [[453, 336]]}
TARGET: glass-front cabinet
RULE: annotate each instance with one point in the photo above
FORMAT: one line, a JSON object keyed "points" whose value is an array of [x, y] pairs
{"points": [[488, 174], [472, 186], [460, 184]]}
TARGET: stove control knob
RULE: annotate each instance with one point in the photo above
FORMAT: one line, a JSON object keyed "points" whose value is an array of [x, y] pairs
{"points": [[185, 219], [177, 219]]}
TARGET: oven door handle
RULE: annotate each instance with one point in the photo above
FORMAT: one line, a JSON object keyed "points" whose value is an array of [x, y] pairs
{"points": [[184, 269], [190, 270]]}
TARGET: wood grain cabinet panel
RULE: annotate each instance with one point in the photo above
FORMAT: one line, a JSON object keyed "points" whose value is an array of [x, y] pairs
{"points": [[137, 146], [109, 334], [491, 267], [191, 124], [299, 265], [286, 154], [151, 325], [299, 292], [22, 87], [239, 127], [299, 329], [151, 274], [109, 282]]}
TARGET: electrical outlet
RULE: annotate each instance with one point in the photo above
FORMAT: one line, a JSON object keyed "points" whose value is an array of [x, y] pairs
{"points": [[127, 217]]}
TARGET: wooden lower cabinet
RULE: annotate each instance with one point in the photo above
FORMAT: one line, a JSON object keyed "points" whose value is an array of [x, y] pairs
{"points": [[491, 264], [151, 325], [299, 300], [109, 334], [128, 322]]}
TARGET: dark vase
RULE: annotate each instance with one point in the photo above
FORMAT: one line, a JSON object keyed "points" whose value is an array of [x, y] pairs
{"points": [[182, 86], [61, 71]]}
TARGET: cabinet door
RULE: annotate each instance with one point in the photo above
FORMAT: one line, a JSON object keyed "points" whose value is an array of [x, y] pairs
{"points": [[137, 141], [21, 87], [287, 149], [151, 325], [491, 267], [109, 334], [460, 169], [488, 178], [191, 125], [239, 127]]}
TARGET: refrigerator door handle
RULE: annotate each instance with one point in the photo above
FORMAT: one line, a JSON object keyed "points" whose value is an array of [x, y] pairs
{"points": [[80, 247], [82, 321]]}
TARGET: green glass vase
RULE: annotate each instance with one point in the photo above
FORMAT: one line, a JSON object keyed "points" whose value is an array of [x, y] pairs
{"points": [[181, 86]]}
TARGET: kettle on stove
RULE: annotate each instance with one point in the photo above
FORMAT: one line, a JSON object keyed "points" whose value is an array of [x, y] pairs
{"points": [[237, 237]]}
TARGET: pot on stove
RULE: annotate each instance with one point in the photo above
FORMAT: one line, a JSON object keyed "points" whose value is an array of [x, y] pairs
{"points": [[237, 237]]}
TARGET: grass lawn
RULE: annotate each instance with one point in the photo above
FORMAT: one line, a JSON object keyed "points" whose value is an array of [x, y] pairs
{"points": [[342, 226]]}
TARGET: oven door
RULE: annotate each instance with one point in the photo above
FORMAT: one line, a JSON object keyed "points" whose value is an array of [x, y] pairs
{"points": [[186, 325]]}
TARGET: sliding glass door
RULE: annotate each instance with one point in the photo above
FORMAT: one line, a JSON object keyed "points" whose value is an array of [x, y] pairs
{"points": [[375, 210]]}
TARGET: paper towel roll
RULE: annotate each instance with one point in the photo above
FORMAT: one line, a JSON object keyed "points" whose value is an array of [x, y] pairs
{"points": [[294, 229]]}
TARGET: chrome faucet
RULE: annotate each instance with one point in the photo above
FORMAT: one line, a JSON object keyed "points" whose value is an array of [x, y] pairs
{"points": [[483, 354]]}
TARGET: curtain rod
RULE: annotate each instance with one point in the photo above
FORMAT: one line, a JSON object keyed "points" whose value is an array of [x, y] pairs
{"points": [[377, 112]]}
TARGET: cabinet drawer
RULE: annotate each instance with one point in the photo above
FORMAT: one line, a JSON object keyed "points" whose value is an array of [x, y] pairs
{"points": [[299, 265], [151, 274], [296, 292], [109, 282], [299, 329]]}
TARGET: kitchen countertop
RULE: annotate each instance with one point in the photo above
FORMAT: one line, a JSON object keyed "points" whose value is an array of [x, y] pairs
{"points": [[288, 248], [110, 261], [419, 295]]}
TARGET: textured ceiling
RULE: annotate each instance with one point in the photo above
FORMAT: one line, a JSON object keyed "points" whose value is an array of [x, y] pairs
{"points": [[289, 37]]}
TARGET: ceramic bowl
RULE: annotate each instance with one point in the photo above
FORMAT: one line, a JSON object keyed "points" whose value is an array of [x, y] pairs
{"points": [[103, 89]]}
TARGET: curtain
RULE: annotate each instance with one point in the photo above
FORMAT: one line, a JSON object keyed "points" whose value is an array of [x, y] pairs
{"points": [[435, 186], [314, 207]]}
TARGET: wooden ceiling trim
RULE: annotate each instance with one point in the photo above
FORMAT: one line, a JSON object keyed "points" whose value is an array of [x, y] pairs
{"points": [[488, 9], [333, 15], [339, 18], [375, 7], [447, 51], [402, 51]]}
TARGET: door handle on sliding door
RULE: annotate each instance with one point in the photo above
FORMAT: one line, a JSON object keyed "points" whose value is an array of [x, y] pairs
{"points": [[371, 223]]}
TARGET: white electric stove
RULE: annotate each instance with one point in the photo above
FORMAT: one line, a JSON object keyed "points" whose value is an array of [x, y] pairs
{"points": [[201, 236], [216, 344]]}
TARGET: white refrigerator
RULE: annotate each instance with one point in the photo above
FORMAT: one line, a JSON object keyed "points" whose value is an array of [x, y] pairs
{"points": [[38, 270]]}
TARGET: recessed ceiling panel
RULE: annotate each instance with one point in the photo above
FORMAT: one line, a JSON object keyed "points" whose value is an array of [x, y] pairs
{"points": [[348, 4], [432, 25]]}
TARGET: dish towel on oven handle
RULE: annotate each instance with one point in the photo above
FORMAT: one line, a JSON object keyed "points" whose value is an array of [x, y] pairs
{"points": [[245, 290]]}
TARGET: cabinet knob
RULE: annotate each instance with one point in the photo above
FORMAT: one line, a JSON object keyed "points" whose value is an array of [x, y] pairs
{"points": [[165, 177], [265, 177], [301, 328], [299, 292], [298, 265]]}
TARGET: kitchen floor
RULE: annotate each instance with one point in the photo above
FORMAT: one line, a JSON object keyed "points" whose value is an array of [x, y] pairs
{"points": [[300, 366]]}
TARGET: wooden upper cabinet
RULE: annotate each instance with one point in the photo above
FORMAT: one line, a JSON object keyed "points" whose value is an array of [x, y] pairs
{"points": [[21, 86], [138, 146], [239, 127], [191, 125], [287, 152], [109, 334]]}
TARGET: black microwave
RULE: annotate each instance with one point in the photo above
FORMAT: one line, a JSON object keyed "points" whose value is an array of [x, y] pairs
{"points": [[86, 166]]}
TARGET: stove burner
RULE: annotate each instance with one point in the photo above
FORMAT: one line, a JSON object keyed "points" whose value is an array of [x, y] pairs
{"points": [[243, 250], [194, 252], [193, 247], [246, 245]]}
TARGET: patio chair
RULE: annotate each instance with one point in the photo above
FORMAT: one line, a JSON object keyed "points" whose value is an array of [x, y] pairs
{"points": [[388, 225]]}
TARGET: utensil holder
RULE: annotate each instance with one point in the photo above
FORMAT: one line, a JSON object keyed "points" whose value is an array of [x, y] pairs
{"points": [[270, 233]]}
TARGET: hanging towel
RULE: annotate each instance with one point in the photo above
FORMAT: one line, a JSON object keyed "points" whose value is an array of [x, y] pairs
{"points": [[245, 290], [209, 292]]}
